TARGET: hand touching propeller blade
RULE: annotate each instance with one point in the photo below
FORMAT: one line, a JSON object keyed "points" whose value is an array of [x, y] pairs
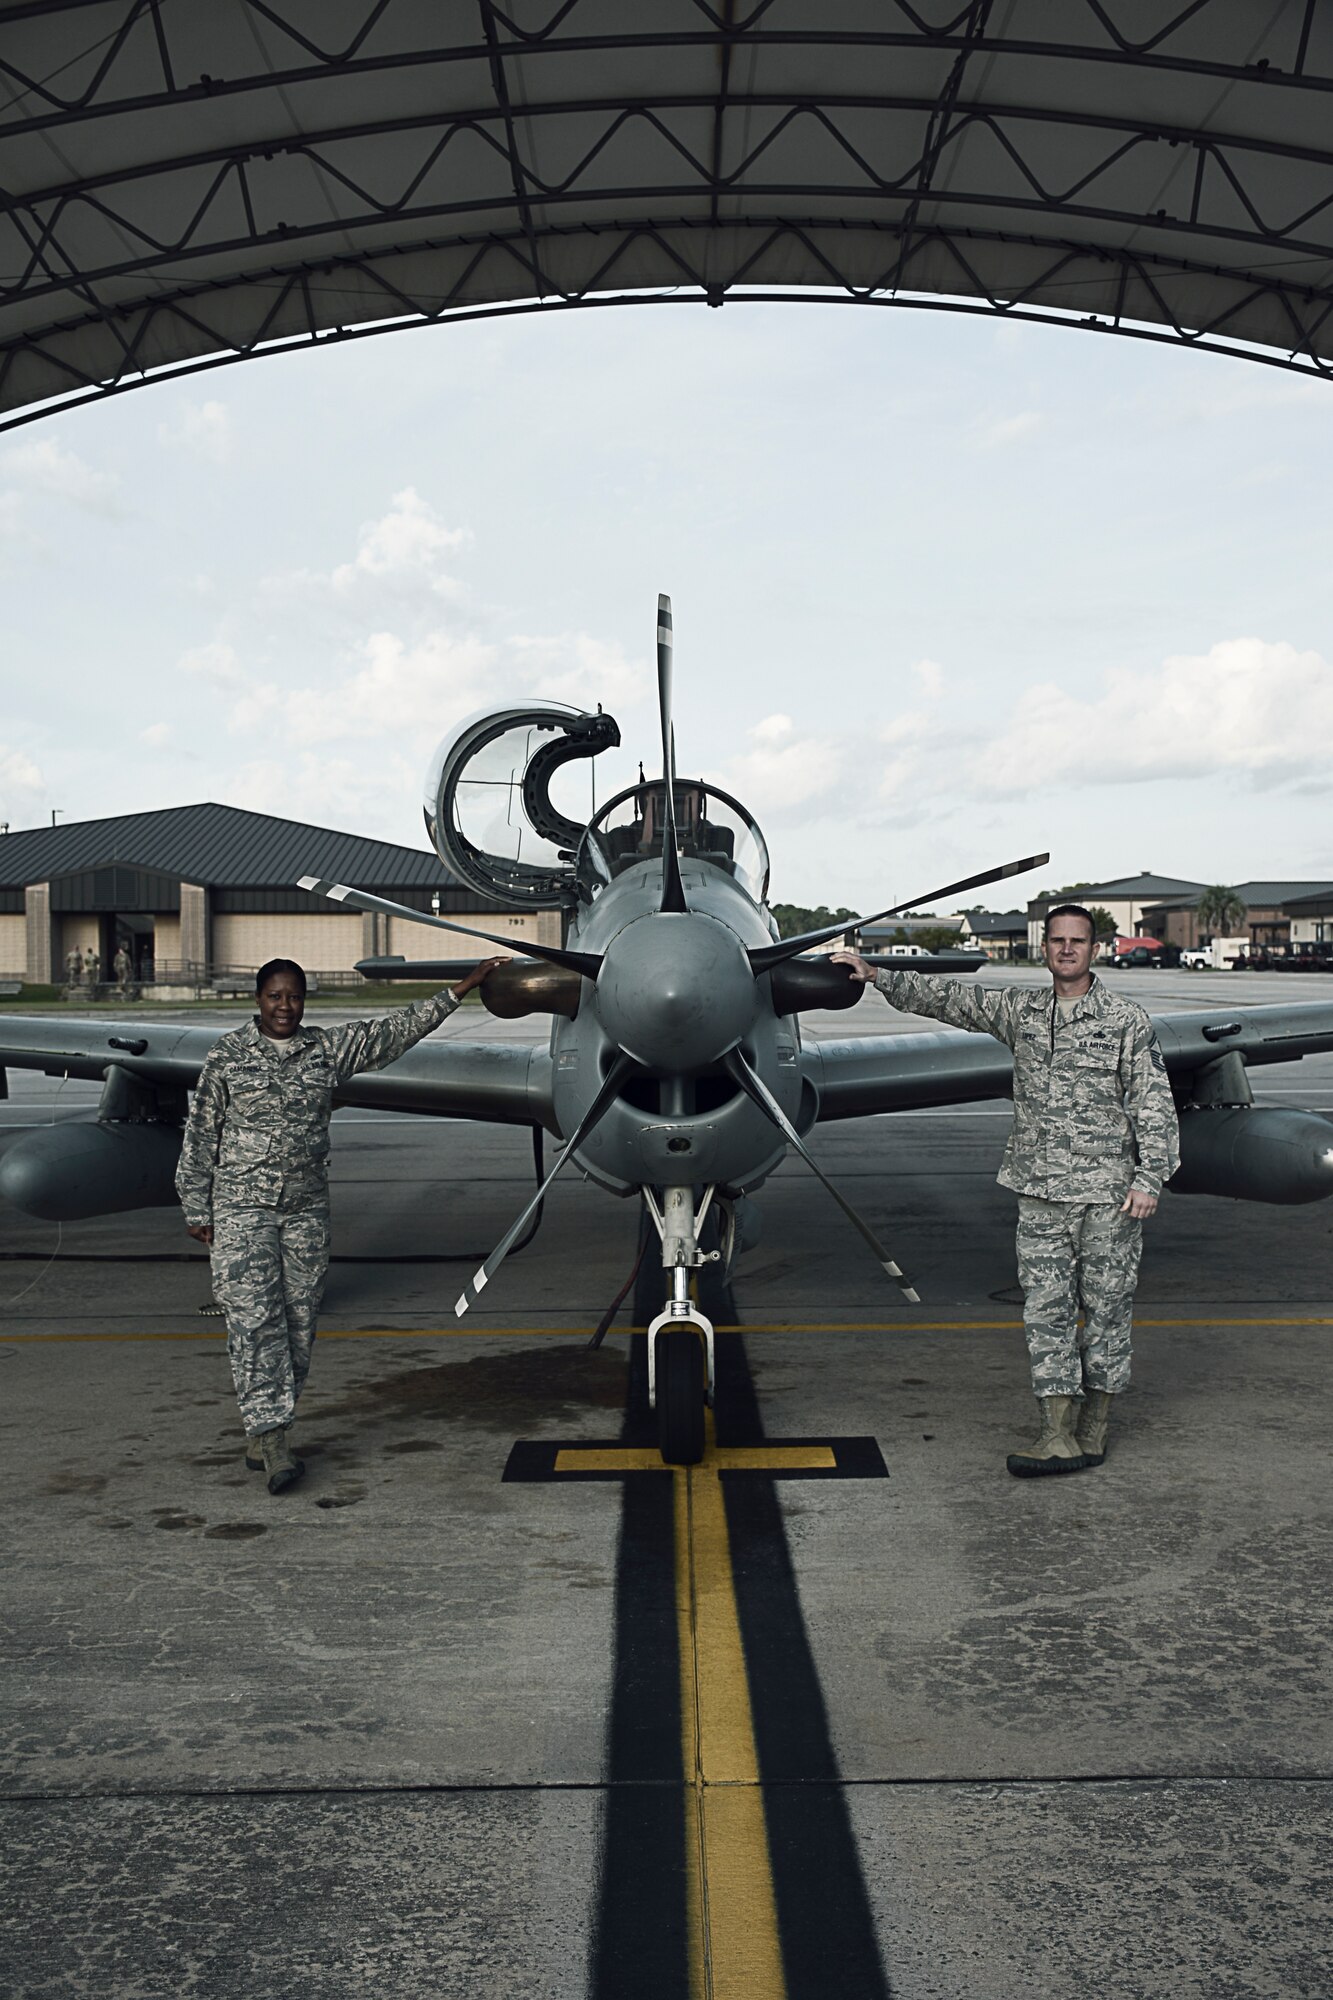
{"points": [[758, 1092]]}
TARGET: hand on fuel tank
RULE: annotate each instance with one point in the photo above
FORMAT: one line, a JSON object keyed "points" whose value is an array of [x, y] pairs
{"points": [[476, 976], [859, 969]]}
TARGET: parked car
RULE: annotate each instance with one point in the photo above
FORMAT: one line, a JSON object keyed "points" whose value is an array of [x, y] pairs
{"points": [[1135, 951]]}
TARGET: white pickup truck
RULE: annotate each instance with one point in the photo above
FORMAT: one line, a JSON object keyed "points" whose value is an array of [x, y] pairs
{"points": [[1218, 956]]}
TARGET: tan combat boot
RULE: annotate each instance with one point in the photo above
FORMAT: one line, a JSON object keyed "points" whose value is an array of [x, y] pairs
{"points": [[254, 1454], [1057, 1449], [1093, 1421], [282, 1468]]}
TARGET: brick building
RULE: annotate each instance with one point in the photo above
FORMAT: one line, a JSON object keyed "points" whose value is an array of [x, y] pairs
{"points": [[197, 891]]}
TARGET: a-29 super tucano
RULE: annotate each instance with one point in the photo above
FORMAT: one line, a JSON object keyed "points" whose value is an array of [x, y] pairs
{"points": [[675, 1070]]}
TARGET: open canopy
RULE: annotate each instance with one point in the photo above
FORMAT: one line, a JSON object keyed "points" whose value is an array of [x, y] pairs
{"points": [[186, 185]]}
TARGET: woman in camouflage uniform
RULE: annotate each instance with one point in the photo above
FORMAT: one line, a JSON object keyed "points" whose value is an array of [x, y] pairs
{"points": [[253, 1181]]}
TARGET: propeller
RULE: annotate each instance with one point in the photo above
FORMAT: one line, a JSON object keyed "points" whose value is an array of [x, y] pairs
{"points": [[764, 957], [673, 889], [615, 1076], [586, 962], [758, 1092]]}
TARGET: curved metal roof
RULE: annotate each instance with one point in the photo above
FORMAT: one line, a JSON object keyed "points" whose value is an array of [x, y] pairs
{"points": [[191, 183]]}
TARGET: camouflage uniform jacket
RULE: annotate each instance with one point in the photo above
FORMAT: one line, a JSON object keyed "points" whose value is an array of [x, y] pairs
{"points": [[258, 1131], [1093, 1110]]}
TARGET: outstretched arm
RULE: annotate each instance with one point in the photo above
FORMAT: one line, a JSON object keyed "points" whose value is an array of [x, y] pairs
{"points": [[376, 1043], [982, 1010]]}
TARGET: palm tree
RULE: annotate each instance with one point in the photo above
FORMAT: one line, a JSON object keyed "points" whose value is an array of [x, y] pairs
{"points": [[1220, 910]]}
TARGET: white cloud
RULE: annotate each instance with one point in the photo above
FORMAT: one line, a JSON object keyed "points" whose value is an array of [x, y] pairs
{"points": [[398, 688], [156, 736], [1002, 431], [931, 676], [46, 467], [215, 663], [18, 773], [366, 793], [783, 771], [202, 428], [582, 670], [1255, 708], [406, 545]]}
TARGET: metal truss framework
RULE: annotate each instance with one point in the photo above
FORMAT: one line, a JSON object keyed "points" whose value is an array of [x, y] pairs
{"points": [[185, 186]]}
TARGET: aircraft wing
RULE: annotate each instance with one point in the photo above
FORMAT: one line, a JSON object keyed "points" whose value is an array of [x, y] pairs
{"points": [[856, 1078], [499, 1083]]}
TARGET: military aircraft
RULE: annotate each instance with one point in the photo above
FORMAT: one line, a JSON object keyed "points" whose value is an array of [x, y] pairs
{"points": [[675, 1071]]}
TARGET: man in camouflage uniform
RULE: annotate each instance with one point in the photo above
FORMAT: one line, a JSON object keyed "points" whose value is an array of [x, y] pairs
{"points": [[253, 1182], [1095, 1137], [123, 966]]}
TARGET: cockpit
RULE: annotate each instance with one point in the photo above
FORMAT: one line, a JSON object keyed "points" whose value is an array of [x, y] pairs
{"points": [[495, 823], [710, 826]]}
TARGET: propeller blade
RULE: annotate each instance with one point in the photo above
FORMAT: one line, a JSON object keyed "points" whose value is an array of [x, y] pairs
{"points": [[758, 1092], [587, 962], [673, 889], [615, 1076], [763, 957]]}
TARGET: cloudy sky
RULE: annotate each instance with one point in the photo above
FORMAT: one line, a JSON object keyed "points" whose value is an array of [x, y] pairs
{"points": [[945, 591]]}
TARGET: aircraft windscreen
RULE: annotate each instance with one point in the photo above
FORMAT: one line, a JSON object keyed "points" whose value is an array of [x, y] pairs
{"points": [[710, 826]]}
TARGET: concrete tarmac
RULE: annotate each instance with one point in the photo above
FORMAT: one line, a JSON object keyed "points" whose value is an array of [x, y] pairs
{"points": [[414, 1725]]}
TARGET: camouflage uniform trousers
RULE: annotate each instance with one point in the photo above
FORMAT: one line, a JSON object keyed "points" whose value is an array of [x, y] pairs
{"points": [[269, 1267], [1072, 1254]]}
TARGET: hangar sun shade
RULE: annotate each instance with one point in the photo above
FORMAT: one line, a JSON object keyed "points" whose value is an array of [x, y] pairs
{"points": [[189, 185]]}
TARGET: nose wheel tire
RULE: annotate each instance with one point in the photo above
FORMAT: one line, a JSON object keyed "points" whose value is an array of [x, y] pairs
{"points": [[680, 1370]]}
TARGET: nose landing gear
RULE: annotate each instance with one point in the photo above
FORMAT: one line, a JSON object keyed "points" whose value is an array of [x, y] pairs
{"points": [[680, 1339]]}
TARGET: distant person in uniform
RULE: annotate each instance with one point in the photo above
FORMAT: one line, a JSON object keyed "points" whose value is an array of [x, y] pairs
{"points": [[1095, 1137], [253, 1182], [92, 966], [123, 967], [74, 967]]}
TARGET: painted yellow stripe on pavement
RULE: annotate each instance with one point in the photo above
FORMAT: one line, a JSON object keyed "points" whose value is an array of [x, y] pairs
{"points": [[581, 1332], [746, 1458], [724, 1802]]}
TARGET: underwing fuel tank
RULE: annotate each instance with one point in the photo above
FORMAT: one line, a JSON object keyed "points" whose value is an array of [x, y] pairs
{"points": [[1255, 1153], [66, 1172]]}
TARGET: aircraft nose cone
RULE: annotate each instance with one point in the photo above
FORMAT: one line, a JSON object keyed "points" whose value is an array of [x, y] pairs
{"points": [[676, 991]]}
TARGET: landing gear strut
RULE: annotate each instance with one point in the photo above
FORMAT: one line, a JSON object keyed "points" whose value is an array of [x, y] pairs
{"points": [[680, 1339]]}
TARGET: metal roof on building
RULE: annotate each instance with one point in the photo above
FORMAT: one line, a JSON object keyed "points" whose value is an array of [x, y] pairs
{"points": [[218, 847], [1128, 888], [1254, 895], [995, 923], [187, 185]]}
